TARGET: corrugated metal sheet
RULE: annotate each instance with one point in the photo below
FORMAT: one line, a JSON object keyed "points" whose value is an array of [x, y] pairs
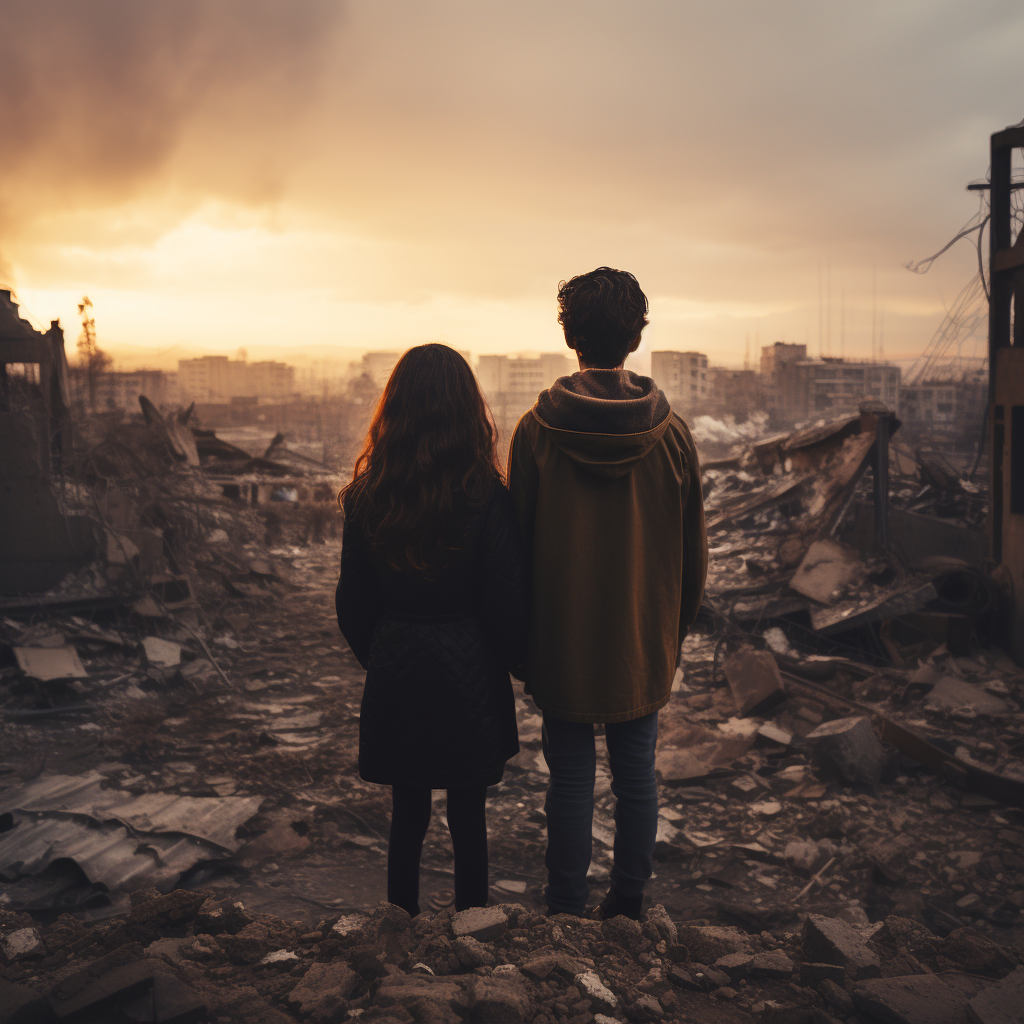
{"points": [[214, 819]]}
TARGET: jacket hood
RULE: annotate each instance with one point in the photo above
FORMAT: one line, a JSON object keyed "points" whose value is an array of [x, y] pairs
{"points": [[604, 420]]}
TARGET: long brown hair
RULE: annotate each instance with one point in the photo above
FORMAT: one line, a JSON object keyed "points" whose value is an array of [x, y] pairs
{"points": [[429, 455]]}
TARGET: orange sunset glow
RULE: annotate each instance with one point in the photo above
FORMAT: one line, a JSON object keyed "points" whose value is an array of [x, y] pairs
{"points": [[319, 176]]}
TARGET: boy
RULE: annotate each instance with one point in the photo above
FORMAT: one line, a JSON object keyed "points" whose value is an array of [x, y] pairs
{"points": [[607, 488]]}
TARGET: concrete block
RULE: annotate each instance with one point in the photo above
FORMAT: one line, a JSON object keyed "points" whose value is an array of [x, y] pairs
{"points": [[827, 940], [593, 988], [323, 990], [912, 999], [754, 680], [849, 749], [481, 923], [500, 1000]]}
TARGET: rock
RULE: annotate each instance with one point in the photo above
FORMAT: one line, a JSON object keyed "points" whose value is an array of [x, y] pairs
{"points": [[950, 693], [481, 923], [647, 1007], [830, 941], [1001, 1003], [219, 917], [659, 927], [682, 978], [905, 935], [386, 917], [472, 953], [151, 917], [774, 964], [917, 999], [968, 950], [709, 977], [736, 965], [323, 991], [836, 997], [812, 975], [249, 946], [624, 932], [406, 989], [349, 929], [593, 988], [803, 856], [22, 944], [848, 749], [280, 958], [201, 949], [161, 653], [754, 680], [500, 1000], [707, 943], [86, 993]]}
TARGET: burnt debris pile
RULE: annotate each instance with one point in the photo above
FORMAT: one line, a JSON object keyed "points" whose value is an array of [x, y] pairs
{"points": [[183, 834], [187, 956]]}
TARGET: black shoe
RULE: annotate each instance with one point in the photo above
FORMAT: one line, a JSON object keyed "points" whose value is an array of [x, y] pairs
{"points": [[615, 904]]}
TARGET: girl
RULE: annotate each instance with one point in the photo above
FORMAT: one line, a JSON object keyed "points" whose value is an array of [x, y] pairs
{"points": [[432, 601]]}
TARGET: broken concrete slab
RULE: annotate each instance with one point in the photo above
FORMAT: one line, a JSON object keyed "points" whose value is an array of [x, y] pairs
{"points": [[849, 749], [86, 992], [593, 988], [170, 1002], [826, 569], [950, 693], [161, 653], [828, 940], [50, 663], [481, 923], [754, 680], [912, 999], [1002, 1003]]}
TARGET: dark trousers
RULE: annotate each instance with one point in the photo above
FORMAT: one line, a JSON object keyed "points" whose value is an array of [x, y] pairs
{"points": [[572, 761], [410, 816]]}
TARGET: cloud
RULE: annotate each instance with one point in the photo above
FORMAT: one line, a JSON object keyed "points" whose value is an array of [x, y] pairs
{"points": [[101, 96]]}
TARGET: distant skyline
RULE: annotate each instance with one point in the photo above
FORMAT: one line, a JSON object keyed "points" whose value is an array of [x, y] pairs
{"points": [[286, 177]]}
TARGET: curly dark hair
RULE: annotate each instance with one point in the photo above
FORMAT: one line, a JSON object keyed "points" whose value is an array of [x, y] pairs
{"points": [[602, 313], [429, 456]]}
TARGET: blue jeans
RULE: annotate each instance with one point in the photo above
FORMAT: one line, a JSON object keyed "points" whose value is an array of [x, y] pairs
{"points": [[572, 761]]}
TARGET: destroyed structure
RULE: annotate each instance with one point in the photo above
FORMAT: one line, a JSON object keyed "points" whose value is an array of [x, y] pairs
{"points": [[184, 836]]}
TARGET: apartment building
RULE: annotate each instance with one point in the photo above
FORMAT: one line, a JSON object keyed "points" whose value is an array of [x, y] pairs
{"points": [[684, 378]]}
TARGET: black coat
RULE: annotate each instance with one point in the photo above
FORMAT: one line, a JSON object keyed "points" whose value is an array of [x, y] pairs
{"points": [[438, 708]]}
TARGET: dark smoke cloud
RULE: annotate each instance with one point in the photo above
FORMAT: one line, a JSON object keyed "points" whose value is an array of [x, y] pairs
{"points": [[100, 96]]}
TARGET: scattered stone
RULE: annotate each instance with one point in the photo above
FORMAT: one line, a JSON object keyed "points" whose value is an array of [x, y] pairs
{"points": [[836, 997], [917, 999], [593, 988], [481, 923], [500, 1000], [659, 927], [1002, 1003], [349, 929], [472, 953], [405, 990], [161, 653], [773, 964], [22, 944], [754, 680], [968, 950], [647, 1007], [279, 958], [849, 749], [682, 978], [706, 943], [830, 941], [249, 946], [624, 932], [323, 991], [736, 965], [219, 917]]}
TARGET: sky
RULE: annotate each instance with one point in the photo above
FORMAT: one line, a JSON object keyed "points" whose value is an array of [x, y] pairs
{"points": [[322, 176]]}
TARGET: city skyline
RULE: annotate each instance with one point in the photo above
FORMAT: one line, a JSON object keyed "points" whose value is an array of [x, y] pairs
{"points": [[378, 175]]}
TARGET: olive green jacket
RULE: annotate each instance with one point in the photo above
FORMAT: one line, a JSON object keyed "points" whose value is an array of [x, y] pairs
{"points": [[615, 527]]}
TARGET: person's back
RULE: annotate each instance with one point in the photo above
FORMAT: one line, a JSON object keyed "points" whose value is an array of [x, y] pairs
{"points": [[607, 488]]}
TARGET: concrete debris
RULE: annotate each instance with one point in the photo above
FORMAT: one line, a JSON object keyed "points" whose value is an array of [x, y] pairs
{"points": [[918, 999], [754, 680], [849, 748], [1000, 1003], [50, 663]]}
